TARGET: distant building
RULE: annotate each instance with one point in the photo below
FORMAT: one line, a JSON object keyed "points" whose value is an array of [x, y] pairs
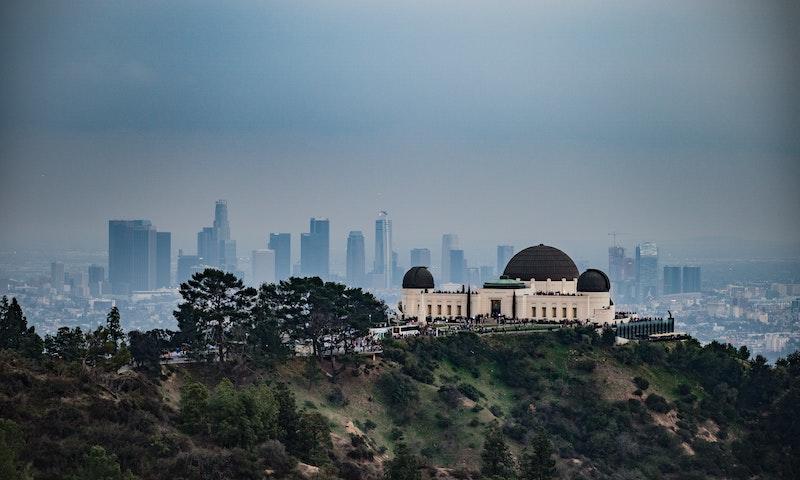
{"points": [[458, 267], [281, 244], [646, 271], [186, 266], [672, 280], [163, 259], [57, 276], [449, 242], [97, 275], [383, 249], [487, 273], [616, 263], [691, 280], [214, 244], [356, 261], [420, 257], [132, 257], [315, 249], [504, 254], [263, 267]]}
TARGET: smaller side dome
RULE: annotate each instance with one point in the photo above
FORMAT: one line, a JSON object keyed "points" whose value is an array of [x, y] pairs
{"points": [[418, 277], [593, 280]]}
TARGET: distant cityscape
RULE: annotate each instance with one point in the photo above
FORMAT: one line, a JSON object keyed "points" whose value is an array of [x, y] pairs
{"points": [[141, 276]]}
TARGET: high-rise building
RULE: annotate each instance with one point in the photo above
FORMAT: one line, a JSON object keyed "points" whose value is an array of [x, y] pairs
{"points": [[315, 249], [646, 271], [163, 259], [131, 255], [263, 265], [473, 276], [504, 254], [691, 279], [214, 244], [449, 242], [186, 266], [458, 266], [356, 263], [281, 244], [672, 280], [383, 249], [97, 275], [616, 263], [420, 257], [57, 276]]}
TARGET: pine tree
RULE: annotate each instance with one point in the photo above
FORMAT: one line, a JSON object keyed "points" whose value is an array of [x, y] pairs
{"points": [[537, 461], [496, 459], [114, 329], [404, 466]]}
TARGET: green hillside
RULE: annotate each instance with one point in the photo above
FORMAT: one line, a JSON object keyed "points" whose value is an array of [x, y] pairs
{"points": [[637, 411]]}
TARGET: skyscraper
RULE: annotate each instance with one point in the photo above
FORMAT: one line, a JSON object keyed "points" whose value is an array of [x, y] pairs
{"points": [[691, 279], [646, 271], [97, 275], [616, 263], [315, 249], [131, 255], [356, 263], [458, 267], [281, 244], [214, 244], [163, 259], [449, 242], [504, 254], [672, 280], [57, 276], [186, 264], [263, 265], [420, 257], [383, 249]]}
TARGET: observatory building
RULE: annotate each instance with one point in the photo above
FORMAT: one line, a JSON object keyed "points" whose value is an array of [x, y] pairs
{"points": [[538, 283]]}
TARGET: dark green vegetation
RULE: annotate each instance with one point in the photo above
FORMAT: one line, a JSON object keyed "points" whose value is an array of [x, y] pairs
{"points": [[562, 404]]}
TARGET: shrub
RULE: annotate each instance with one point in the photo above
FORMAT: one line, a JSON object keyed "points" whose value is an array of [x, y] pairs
{"points": [[641, 383], [657, 403], [450, 395], [336, 397], [399, 392], [470, 391], [496, 411], [274, 456]]}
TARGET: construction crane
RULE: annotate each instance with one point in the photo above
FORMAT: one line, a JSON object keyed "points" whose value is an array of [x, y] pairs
{"points": [[613, 236]]}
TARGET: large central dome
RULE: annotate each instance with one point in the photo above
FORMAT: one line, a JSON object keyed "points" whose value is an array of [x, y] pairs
{"points": [[540, 263]]}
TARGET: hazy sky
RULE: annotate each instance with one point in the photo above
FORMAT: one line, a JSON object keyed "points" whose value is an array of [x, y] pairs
{"points": [[504, 122]]}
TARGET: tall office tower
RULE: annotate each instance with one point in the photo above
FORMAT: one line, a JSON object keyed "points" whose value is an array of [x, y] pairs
{"points": [[646, 271], [672, 280], [227, 255], [214, 244], [163, 259], [473, 276], [186, 264], [449, 242], [57, 276], [97, 274], [208, 246], [397, 271], [487, 273], [315, 249], [616, 263], [263, 265], [356, 263], [383, 249], [221, 224], [131, 255], [504, 254], [458, 266], [281, 244], [420, 257], [691, 280]]}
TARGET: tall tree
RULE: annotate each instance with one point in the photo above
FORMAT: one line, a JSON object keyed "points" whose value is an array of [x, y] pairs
{"points": [[215, 311], [269, 339], [14, 331], [67, 344], [114, 329], [404, 466], [537, 461], [496, 459]]}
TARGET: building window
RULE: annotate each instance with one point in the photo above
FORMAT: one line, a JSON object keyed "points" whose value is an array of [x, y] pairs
{"points": [[458, 310], [430, 310], [574, 312], [449, 310], [438, 309], [533, 312], [555, 315], [564, 312]]}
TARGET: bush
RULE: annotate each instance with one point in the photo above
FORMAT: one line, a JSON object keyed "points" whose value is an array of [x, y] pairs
{"points": [[450, 395], [336, 397], [496, 411], [399, 392], [657, 403], [683, 389], [469, 391], [641, 383], [274, 456]]}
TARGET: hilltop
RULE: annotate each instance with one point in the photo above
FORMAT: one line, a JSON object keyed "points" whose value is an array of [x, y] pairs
{"points": [[637, 411]]}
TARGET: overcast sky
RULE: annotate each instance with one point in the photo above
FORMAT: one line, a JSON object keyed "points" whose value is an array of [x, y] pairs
{"points": [[505, 122]]}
